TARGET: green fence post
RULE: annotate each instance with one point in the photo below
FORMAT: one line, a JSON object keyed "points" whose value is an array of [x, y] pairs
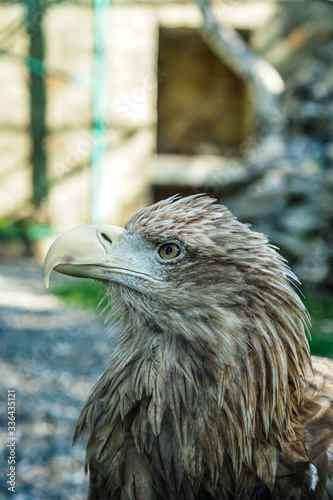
{"points": [[99, 139], [38, 128]]}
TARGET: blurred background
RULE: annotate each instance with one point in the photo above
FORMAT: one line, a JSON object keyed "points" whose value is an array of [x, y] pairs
{"points": [[108, 106]]}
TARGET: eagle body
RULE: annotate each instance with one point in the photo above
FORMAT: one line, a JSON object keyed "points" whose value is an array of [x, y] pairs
{"points": [[211, 393]]}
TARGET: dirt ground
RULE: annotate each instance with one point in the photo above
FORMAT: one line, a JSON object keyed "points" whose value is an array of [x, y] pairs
{"points": [[51, 356]]}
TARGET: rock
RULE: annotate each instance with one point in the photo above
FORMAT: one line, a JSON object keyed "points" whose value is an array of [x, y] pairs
{"points": [[302, 220], [298, 186], [323, 202], [293, 246], [251, 206], [329, 153], [312, 269], [272, 147]]}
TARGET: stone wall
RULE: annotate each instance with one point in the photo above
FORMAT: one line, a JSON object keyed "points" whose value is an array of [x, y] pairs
{"points": [[131, 58], [131, 86], [15, 184]]}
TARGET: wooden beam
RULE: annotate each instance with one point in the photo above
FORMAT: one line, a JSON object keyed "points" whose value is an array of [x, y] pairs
{"points": [[262, 79]]}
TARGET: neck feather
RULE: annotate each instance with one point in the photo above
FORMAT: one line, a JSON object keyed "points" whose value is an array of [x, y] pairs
{"points": [[227, 383]]}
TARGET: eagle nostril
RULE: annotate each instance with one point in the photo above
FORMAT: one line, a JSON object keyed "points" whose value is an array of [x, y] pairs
{"points": [[106, 238]]}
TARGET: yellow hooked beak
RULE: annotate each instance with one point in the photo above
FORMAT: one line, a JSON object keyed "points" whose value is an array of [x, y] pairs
{"points": [[85, 251]]}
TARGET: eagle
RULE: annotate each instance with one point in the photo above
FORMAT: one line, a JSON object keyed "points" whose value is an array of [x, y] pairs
{"points": [[211, 392]]}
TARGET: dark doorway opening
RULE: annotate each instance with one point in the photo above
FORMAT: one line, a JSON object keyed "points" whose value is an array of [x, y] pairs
{"points": [[203, 107]]}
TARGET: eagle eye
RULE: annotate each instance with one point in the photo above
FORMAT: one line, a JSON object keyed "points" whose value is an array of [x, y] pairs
{"points": [[169, 251]]}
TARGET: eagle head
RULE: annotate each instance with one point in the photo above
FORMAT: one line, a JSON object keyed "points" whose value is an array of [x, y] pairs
{"points": [[184, 262]]}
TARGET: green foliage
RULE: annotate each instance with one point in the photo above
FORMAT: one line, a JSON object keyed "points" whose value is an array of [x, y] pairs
{"points": [[25, 229], [321, 312], [83, 293], [9, 230]]}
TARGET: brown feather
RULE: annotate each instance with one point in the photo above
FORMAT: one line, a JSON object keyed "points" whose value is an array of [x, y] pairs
{"points": [[210, 393]]}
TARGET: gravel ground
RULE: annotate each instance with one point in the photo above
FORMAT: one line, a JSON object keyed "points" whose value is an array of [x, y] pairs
{"points": [[51, 356]]}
